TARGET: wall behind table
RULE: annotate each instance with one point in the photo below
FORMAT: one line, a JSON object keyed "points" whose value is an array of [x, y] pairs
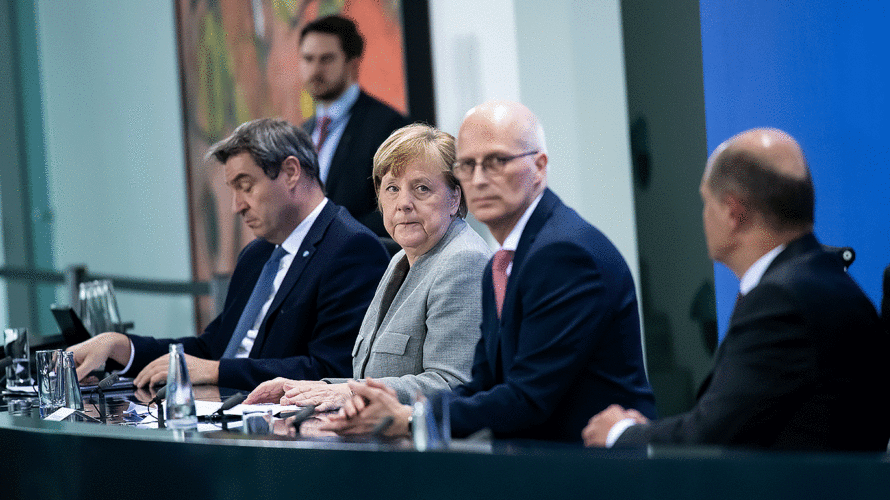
{"points": [[820, 71], [114, 148], [571, 73], [4, 314], [7, 129]]}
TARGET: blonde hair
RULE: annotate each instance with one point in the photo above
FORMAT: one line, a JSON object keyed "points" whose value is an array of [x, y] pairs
{"points": [[418, 141]]}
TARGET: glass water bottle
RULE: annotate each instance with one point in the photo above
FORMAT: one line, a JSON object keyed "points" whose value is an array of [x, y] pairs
{"points": [[180, 404]]}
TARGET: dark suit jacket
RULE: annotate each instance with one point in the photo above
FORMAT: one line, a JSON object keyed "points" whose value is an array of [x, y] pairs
{"points": [[349, 182], [568, 342], [802, 366], [312, 323]]}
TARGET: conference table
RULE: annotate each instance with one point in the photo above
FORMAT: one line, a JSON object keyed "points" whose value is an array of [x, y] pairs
{"points": [[49, 459]]}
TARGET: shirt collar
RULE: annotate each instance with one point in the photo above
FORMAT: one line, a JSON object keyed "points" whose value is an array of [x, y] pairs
{"points": [[293, 242], [512, 240], [752, 276], [341, 106]]}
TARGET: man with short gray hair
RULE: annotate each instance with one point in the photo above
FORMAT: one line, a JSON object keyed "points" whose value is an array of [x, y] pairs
{"points": [[299, 291]]}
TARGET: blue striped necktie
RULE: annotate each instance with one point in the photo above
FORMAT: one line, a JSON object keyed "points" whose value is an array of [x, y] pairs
{"points": [[258, 298]]}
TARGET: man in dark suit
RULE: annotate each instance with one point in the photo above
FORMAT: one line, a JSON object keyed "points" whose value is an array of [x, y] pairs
{"points": [[802, 365], [349, 125], [560, 326], [299, 291]]}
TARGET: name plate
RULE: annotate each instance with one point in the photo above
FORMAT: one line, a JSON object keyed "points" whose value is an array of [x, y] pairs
{"points": [[60, 414]]}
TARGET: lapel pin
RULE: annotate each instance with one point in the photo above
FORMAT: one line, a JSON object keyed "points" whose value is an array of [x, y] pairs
{"points": [[305, 253]]}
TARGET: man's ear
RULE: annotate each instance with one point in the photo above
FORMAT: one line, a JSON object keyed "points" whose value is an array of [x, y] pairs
{"points": [[737, 212], [291, 170], [352, 69], [541, 167]]}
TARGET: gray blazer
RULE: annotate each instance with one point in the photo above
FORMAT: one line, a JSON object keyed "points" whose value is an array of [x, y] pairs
{"points": [[425, 339]]}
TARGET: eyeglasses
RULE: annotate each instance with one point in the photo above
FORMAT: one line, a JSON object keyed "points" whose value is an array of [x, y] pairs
{"points": [[492, 164]]}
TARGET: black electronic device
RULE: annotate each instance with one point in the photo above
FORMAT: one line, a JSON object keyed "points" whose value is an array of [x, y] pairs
{"points": [[73, 330]]}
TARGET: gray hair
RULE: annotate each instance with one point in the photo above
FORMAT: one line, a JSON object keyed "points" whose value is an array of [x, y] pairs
{"points": [[269, 142]]}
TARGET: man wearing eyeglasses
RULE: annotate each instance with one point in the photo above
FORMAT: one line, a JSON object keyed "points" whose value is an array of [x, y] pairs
{"points": [[560, 327]]}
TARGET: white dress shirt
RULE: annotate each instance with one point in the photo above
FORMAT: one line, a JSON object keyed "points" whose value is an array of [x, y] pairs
{"points": [[339, 112], [753, 275], [512, 239]]}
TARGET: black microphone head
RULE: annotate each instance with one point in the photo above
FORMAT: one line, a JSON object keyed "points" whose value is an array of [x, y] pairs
{"points": [[231, 402], [302, 415], [109, 381], [160, 395]]}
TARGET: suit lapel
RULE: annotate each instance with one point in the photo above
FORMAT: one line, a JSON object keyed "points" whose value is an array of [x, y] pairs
{"points": [[504, 338], [529, 234], [490, 325], [804, 244], [353, 128], [396, 285], [301, 259]]}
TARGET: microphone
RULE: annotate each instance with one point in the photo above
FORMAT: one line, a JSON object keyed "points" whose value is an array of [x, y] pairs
{"points": [[5, 362], [108, 381], [105, 383], [159, 396], [302, 415], [230, 403]]}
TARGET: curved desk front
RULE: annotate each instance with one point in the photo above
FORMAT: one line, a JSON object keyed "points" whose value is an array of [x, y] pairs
{"points": [[43, 459]]}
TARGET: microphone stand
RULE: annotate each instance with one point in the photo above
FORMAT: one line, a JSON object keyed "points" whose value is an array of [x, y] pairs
{"points": [[228, 404], [102, 414], [162, 424], [159, 401], [100, 387]]}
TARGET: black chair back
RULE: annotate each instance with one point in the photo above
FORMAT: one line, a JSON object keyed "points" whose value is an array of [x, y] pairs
{"points": [[846, 254]]}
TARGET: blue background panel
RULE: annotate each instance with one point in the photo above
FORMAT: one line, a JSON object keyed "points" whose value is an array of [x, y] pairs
{"points": [[818, 70]]}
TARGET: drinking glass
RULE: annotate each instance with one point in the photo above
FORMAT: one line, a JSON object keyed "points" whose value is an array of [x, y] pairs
{"points": [[15, 343], [49, 387]]}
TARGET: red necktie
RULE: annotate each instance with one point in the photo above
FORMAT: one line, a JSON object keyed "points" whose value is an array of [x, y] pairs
{"points": [[499, 264], [323, 134]]}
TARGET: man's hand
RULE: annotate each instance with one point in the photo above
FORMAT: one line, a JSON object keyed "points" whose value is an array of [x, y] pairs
{"points": [[201, 371], [271, 391], [91, 354], [372, 402], [324, 396], [598, 428]]}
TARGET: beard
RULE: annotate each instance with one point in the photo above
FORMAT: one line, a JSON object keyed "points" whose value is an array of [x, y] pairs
{"points": [[332, 92]]}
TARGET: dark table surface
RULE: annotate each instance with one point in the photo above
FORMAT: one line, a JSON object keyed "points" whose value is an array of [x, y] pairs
{"points": [[44, 459]]}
